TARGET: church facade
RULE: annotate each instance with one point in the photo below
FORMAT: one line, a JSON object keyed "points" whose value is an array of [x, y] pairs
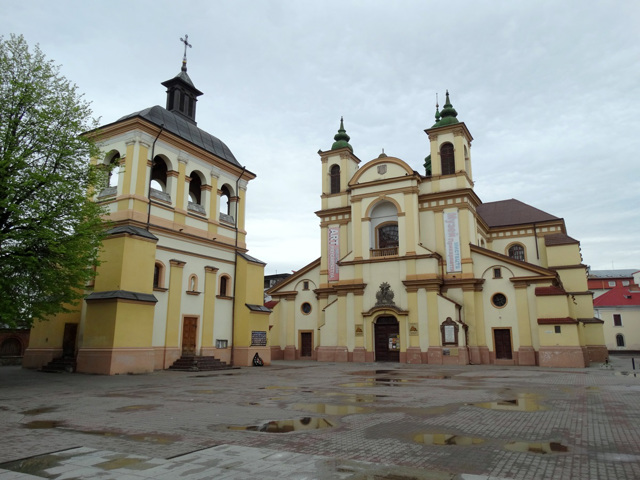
{"points": [[414, 268], [174, 278]]}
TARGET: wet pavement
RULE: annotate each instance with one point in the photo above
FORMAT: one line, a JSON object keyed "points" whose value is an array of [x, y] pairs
{"points": [[308, 420]]}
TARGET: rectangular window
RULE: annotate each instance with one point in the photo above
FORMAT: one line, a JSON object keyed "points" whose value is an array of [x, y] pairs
{"points": [[617, 320], [558, 329], [625, 283], [305, 285], [612, 283], [497, 273]]}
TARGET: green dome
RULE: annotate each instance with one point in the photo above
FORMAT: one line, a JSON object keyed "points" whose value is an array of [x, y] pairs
{"points": [[341, 138], [447, 116]]}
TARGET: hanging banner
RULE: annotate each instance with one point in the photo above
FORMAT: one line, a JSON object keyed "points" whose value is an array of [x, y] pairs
{"points": [[452, 241], [333, 254]]}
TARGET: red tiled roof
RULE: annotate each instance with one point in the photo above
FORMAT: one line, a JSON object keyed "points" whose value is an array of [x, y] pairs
{"points": [[554, 290], [556, 321], [619, 296], [271, 303], [511, 212]]}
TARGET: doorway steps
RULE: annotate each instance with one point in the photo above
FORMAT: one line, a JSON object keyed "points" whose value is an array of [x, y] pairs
{"points": [[60, 365], [199, 364]]}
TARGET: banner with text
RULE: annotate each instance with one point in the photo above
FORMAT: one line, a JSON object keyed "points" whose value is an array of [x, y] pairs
{"points": [[333, 253], [452, 241]]}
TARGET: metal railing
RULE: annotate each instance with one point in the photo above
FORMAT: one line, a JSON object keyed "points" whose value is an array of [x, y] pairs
{"points": [[384, 252]]}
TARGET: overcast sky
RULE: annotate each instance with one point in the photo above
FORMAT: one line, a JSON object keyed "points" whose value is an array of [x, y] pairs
{"points": [[550, 91]]}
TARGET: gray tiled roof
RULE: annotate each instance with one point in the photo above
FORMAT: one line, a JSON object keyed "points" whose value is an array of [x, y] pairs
{"points": [[180, 126], [620, 273], [511, 212]]}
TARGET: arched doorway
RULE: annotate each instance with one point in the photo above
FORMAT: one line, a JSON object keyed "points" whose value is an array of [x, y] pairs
{"points": [[386, 338]]}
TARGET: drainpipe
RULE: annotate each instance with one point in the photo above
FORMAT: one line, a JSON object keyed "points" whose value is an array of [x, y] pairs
{"points": [[535, 236], [153, 149], [235, 269]]}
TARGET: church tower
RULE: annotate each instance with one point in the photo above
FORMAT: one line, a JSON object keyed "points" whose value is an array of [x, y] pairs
{"points": [[449, 161]]}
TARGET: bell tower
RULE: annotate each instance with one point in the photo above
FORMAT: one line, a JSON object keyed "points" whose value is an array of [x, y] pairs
{"points": [[449, 161]]}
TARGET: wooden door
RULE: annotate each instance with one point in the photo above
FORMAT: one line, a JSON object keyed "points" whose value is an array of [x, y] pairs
{"points": [[502, 343], [387, 345], [306, 344], [189, 329], [69, 340]]}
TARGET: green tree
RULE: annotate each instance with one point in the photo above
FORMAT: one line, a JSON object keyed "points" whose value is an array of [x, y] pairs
{"points": [[50, 231]]}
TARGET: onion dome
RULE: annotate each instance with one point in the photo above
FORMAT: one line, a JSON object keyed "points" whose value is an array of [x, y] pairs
{"points": [[448, 114], [341, 138]]}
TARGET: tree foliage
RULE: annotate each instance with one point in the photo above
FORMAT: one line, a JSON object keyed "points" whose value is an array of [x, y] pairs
{"points": [[50, 231]]}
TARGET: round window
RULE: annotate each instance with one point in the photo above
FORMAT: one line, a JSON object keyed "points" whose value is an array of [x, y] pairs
{"points": [[306, 308], [499, 300]]}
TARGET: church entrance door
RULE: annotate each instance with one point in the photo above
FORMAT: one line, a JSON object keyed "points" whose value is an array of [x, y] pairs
{"points": [[502, 344], [387, 342], [306, 344], [69, 340], [189, 328]]}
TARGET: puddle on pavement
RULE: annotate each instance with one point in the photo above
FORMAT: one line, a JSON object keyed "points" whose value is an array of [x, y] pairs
{"points": [[203, 391], [43, 424], [330, 409], [435, 377], [353, 397], [134, 408], [537, 447], [38, 411], [286, 426], [157, 438], [380, 382], [366, 373], [446, 439], [34, 465], [627, 374], [526, 402], [278, 387]]}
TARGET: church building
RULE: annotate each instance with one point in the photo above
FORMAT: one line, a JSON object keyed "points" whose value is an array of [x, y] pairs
{"points": [[174, 279], [415, 268]]}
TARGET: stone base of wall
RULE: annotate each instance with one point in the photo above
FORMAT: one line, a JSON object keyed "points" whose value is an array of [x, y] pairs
{"points": [[414, 355], [359, 355], [277, 353], [38, 357], [333, 354], [222, 354], [115, 361], [479, 355], [561, 357], [290, 352], [243, 356], [165, 357], [597, 353], [526, 356]]}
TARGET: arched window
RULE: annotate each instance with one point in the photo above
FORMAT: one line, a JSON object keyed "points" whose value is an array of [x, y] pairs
{"points": [[334, 175], [447, 159], [225, 200], [224, 286], [159, 175], [620, 340], [384, 230], [114, 163], [516, 252], [388, 235], [195, 189]]}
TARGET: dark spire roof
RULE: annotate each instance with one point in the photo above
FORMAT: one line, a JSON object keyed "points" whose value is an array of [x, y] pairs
{"points": [[182, 94], [180, 126], [341, 138], [448, 114]]}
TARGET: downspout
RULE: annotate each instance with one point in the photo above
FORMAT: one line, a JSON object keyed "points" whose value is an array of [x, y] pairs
{"points": [[235, 270], [535, 236], [153, 149]]}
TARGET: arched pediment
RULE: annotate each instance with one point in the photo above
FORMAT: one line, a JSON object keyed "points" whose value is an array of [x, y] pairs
{"points": [[391, 167]]}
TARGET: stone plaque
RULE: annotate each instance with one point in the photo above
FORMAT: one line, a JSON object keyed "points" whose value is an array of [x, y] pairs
{"points": [[258, 339]]}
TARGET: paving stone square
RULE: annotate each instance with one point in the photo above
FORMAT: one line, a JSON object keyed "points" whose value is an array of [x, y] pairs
{"points": [[309, 420]]}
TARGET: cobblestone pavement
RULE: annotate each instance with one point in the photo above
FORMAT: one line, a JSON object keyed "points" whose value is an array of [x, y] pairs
{"points": [[308, 420]]}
